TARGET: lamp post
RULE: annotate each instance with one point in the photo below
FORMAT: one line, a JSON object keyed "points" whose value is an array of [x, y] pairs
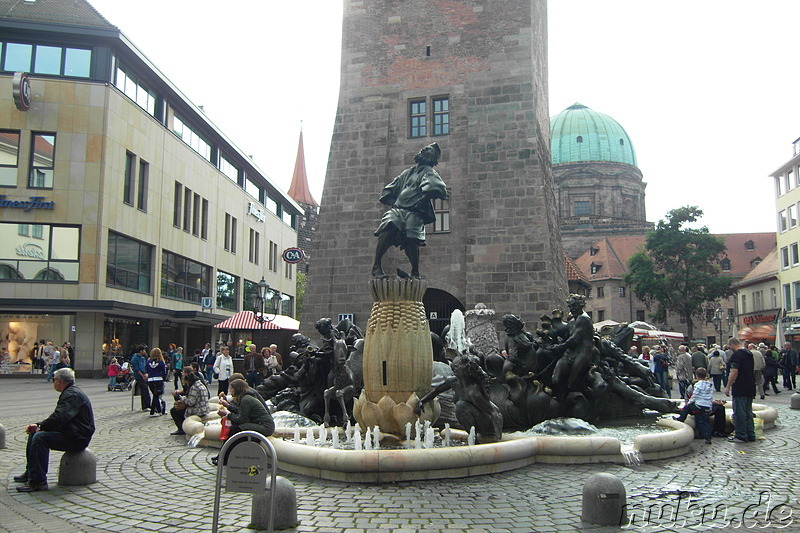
{"points": [[719, 323], [260, 304]]}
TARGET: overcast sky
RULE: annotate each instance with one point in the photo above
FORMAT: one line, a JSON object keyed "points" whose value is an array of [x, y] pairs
{"points": [[707, 91]]}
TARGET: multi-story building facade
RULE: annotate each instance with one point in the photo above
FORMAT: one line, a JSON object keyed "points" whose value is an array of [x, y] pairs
{"points": [[126, 215], [758, 302], [787, 192]]}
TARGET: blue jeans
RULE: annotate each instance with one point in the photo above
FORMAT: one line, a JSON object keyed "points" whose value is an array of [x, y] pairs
{"points": [[37, 452], [702, 422], [717, 381], [662, 378], [209, 374], [52, 370], [743, 418]]}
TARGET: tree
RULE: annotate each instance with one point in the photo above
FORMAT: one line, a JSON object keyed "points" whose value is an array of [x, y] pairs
{"points": [[300, 292], [678, 271]]}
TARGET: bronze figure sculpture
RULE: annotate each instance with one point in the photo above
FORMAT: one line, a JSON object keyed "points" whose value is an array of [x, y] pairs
{"points": [[409, 195]]}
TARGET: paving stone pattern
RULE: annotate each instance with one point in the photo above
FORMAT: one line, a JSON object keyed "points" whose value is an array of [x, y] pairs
{"points": [[151, 481]]}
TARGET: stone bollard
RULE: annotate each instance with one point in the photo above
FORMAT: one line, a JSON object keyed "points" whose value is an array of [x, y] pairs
{"points": [[604, 500], [795, 399], [78, 468], [2, 437], [285, 506]]}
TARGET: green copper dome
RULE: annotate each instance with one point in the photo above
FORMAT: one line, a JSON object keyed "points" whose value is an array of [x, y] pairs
{"points": [[580, 134]]}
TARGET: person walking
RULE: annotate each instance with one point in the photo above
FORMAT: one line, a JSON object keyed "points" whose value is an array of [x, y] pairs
{"points": [[788, 363], [758, 368], [683, 370], [177, 369], [770, 372], [207, 364], [156, 373], [223, 368], [699, 358], [661, 365], [139, 369], [716, 368], [742, 387]]}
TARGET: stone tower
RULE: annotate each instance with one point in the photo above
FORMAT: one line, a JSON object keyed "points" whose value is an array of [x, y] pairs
{"points": [[471, 76]]}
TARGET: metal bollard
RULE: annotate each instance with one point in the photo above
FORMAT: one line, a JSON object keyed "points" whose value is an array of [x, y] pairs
{"points": [[285, 506], [795, 399], [2, 437], [604, 500]]}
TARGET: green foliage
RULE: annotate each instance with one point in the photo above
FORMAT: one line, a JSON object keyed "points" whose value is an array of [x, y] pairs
{"points": [[678, 271], [300, 288]]}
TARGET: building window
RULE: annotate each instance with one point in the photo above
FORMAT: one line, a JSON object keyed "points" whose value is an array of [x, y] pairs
{"points": [[786, 186], [794, 252], [230, 233], [601, 315], [441, 207], [53, 256], [593, 250], [227, 295], [177, 207], [204, 221], [417, 118], [48, 60], [43, 156], [130, 178], [785, 257], [191, 138], [792, 215], [272, 206], [184, 279], [441, 115], [290, 219], [744, 303], [594, 268], [787, 297], [758, 303], [196, 215], [250, 289], [144, 183], [796, 289], [778, 187], [129, 263], [9, 158], [273, 257], [131, 87], [251, 188], [750, 246], [783, 222], [24, 230], [621, 292], [725, 265], [187, 209], [773, 298], [581, 207], [640, 315], [601, 292], [253, 248], [227, 168], [579, 139], [288, 271], [287, 305]]}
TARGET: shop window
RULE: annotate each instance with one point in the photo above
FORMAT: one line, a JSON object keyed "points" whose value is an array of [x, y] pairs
{"points": [[129, 264], [9, 158], [43, 156], [227, 295], [183, 278], [52, 256]]}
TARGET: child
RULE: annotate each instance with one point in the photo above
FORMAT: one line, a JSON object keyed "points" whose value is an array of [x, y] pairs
{"points": [[698, 403], [113, 370]]}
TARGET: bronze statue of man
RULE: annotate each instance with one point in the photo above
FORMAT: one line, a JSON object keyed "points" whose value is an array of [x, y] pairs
{"points": [[409, 195]]}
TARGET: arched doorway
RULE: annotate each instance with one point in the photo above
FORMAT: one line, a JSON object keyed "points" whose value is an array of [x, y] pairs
{"points": [[439, 305]]}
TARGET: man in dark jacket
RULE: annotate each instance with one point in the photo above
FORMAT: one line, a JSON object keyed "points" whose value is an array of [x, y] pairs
{"points": [[69, 428], [788, 365], [742, 383]]}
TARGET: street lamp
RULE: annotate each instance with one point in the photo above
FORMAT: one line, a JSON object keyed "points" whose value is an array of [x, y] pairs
{"points": [[719, 323], [260, 303]]}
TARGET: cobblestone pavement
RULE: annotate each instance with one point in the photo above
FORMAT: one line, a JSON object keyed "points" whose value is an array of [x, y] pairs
{"points": [[151, 481]]}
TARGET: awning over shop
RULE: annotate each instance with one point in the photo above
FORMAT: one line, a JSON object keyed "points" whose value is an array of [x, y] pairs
{"points": [[648, 334], [247, 320], [757, 333]]}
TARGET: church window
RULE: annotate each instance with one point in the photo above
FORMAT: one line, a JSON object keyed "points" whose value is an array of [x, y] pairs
{"points": [[418, 118], [581, 207]]}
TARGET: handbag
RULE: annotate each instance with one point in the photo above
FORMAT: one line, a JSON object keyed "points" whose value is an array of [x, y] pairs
{"points": [[225, 432], [179, 405]]}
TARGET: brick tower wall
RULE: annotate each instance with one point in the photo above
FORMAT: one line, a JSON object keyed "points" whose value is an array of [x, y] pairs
{"points": [[504, 248]]}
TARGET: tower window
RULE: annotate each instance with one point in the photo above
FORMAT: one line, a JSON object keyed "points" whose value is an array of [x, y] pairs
{"points": [[441, 116], [579, 139], [621, 142], [581, 207], [418, 118]]}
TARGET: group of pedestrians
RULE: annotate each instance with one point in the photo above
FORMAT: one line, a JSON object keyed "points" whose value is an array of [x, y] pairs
{"points": [[50, 357]]}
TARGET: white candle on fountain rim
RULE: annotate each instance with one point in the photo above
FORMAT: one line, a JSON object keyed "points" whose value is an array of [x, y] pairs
{"points": [[417, 429], [310, 436], [357, 439], [471, 436], [323, 435], [335, 438], [348, 430], [368, 439], [376, 438], [446, 434], [408, 434], [429, 437]]}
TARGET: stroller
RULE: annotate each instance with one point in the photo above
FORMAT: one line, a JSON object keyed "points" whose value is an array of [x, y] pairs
{"points": [[124, 380]]}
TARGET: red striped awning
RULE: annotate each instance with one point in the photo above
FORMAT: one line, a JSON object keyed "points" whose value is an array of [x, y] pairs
{"points": [[247, 320]]}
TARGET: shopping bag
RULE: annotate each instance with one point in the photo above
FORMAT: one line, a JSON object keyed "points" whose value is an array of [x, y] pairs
{"points": [[225, 432]]}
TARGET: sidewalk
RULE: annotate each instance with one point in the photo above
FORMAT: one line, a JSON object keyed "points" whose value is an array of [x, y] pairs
{"points": [[151, 481]]}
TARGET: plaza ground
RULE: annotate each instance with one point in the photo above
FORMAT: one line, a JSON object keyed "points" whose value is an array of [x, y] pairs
{"points": [[151, 481]]}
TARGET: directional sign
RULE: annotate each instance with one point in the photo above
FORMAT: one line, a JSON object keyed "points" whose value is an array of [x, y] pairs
{"points": [[293, 255]]}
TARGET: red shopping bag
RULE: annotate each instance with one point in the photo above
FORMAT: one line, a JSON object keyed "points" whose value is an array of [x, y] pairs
{"points": [[225, 432]]}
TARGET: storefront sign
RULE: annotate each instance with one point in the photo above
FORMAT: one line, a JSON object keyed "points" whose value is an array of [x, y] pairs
{"points": [[21, 90], [35, 202], [759, 319], [32, 250], [256, 212], [293, 255]]}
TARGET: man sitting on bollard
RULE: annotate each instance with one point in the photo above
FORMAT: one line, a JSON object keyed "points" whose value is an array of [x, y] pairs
{"points": [[69, 428]]}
